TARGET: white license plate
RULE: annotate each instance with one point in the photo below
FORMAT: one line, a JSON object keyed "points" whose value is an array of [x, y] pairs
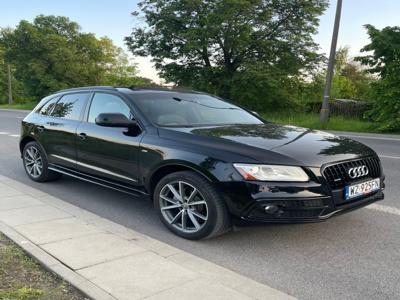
{"points": [[360, 189]]}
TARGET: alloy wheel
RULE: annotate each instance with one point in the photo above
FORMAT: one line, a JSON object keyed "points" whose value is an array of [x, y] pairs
{"points": [[183, 206], [33, 162]]}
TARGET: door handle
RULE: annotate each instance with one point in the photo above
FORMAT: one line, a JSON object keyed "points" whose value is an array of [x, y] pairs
{"points": [[82, 136], [40, 128]]}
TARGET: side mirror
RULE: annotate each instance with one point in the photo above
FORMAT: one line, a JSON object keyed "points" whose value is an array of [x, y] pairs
{"points": [[115, 120]]}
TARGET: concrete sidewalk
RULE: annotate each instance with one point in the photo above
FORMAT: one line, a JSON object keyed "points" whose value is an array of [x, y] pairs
{"points": [[108, 261]]}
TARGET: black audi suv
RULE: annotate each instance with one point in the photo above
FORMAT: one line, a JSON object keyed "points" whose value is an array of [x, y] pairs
{"points": [[203, 161]]}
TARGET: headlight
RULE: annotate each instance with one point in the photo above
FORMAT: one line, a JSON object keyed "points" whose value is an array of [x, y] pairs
{"points": [[271, 172]]}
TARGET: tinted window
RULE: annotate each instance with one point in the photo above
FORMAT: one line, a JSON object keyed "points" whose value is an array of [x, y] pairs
{"points": [[70, 106], [107, 103], [48, 107], [190, 109]]}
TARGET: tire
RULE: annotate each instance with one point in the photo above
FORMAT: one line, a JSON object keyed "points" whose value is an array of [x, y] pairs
{"points": [[36, 165], [205, 202]]}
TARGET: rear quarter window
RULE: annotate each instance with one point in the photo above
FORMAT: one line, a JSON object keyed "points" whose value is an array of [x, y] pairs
{"points": [[47, 108], [70, 106]]}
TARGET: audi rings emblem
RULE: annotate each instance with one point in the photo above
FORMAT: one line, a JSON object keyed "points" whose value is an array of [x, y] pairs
{"points": [[358, 172]]}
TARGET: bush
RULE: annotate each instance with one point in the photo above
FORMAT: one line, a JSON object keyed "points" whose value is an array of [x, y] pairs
{"points": [[341, 108]]}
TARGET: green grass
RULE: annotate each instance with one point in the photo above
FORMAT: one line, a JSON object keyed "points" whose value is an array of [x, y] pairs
{"points": [[309, 120], [24, 106]]}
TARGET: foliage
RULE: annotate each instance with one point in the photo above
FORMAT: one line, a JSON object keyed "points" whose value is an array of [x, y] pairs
{"points": [[3, 77], [384, 62], [350, 81], [250, 51], [122, 72], [52, 53], [19, 92]]}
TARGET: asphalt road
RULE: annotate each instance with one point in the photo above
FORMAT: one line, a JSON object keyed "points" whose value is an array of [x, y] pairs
{"points": [[353, 256]]}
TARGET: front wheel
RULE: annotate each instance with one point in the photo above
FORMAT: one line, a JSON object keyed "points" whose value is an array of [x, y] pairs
{"points": [[190, 206]]}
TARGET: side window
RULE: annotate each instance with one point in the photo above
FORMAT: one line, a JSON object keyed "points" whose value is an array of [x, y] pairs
{"points": [[48, 107], [107, 103], [70, 106]]}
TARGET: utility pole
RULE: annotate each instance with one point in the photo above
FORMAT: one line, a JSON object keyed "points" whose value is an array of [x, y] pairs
{"points": [[324, 113], [10, 99]]}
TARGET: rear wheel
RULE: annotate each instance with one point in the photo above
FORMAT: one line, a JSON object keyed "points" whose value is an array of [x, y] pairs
{"points": [[36, 164], [190, 206]]}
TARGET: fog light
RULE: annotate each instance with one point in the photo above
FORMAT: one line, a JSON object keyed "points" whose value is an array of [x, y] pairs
{"points": [[271, 209]]}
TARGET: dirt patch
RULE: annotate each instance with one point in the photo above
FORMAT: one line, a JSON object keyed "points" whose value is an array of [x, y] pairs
{"points": [[22, 278]]}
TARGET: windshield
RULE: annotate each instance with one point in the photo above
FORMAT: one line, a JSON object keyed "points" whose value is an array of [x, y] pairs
{"points": [[190, 110]]}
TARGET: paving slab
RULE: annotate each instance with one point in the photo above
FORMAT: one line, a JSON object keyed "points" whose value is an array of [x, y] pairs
{"points": [[89, 250], [57, 230], [40, 213], [138, 276], [199, 289], [229, 278], [6, 191], [20, 201]]}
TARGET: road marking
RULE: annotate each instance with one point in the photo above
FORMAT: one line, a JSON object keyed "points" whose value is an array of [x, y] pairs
{"points": [[370, 137], [15, 135], [2, 132], [384, 208], [388, 156]]}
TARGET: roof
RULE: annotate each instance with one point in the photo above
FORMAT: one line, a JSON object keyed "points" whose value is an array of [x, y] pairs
{"points": [[84, 88], [129, 89]]}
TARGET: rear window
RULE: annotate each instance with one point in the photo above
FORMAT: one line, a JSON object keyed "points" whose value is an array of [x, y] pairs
{"points": [[48, 107], [70, 106]]}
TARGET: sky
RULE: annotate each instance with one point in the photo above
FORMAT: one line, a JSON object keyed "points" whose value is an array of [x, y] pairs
{"points": [[113, 18]]}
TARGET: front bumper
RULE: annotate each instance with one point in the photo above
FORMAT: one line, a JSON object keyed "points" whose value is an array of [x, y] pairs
{"points": [[301, 203], [304, 210]]}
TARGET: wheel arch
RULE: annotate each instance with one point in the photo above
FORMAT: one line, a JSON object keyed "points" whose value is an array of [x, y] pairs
{"points": [[171, 167], [25, 141]]}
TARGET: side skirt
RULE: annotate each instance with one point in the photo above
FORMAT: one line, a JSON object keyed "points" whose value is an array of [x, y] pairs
{"points": [[99, 181]]}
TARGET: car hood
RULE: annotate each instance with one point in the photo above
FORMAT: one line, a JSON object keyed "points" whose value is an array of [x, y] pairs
{"points": [[300, 145]]}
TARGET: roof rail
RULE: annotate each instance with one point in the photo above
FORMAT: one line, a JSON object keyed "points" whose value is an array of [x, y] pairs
{"points": [[89, 88]]}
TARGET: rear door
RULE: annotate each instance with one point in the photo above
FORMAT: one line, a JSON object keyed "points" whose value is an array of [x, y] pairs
{"points": [[59, 138], [107, 152], [41, 117]]}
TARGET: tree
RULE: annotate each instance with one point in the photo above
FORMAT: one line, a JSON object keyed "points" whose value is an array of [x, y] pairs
{"points": [[51, 53], [121, 72], [384, 61], [3, 77], [18, 91], [241, 49], [351, 80]]}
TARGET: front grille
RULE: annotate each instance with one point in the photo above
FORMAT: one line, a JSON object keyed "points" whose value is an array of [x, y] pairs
{"points": [[338, 177]]}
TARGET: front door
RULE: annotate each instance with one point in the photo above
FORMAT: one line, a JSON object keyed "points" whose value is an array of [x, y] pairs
{"points": [[107, 152]]}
